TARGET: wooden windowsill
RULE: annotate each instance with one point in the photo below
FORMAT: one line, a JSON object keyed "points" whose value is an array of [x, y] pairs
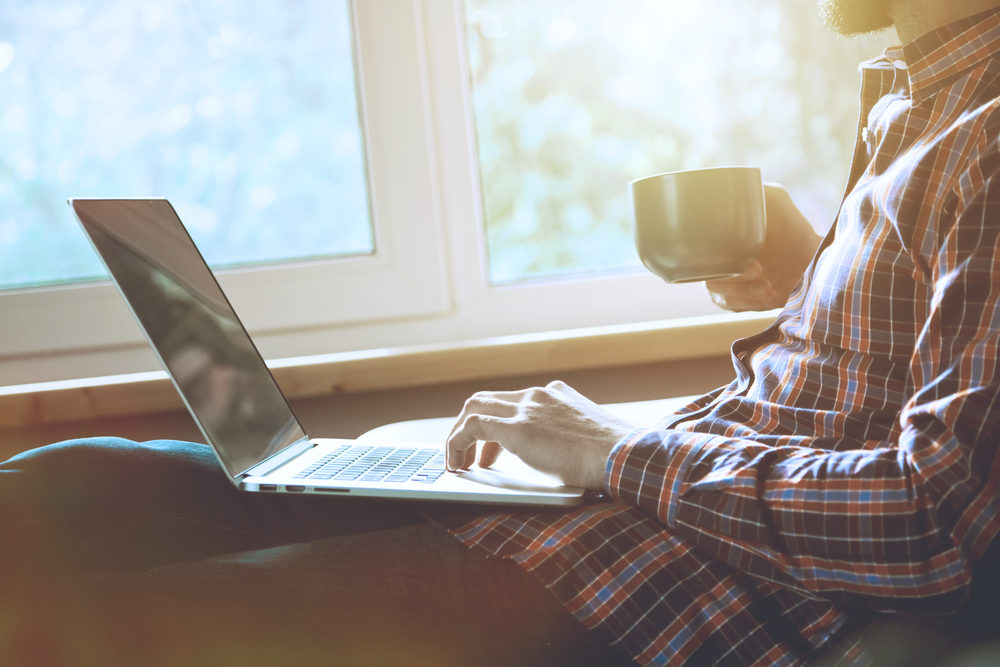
{"points": [[368, 370]]}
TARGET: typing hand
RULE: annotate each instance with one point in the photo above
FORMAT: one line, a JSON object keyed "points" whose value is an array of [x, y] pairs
{"points": [[554, 429]]}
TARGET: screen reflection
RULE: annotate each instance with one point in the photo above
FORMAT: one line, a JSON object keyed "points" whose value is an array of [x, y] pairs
{"points": [[192, 327]]}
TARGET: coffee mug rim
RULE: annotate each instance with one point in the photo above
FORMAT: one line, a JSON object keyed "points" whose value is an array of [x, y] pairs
{"points": [[735, 167]]}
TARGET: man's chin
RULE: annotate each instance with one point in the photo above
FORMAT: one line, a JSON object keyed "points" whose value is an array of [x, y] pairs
{"points": [[855, 17]]}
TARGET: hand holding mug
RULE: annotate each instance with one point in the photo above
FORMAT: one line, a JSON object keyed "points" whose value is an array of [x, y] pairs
{"points": [[770, 277], [747, 240]]}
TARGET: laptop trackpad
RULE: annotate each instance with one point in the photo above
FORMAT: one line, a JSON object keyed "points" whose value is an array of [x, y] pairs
{"points": [[510, 472]]}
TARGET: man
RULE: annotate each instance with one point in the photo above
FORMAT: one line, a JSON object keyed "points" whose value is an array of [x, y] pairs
{"points": [[850, 470], [852, 467]]}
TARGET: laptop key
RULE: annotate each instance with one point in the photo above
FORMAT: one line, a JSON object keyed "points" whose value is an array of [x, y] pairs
{"points": [[373, 464]]}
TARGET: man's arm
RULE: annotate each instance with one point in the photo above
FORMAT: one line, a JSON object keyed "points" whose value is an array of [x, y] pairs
{"points": [[889, 525]]}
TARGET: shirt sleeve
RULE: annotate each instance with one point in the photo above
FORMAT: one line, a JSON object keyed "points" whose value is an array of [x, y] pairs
{"points": [[889, 525]]}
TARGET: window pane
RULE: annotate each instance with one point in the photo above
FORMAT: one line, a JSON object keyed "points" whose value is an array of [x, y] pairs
{"points": [[574, 98], [243, 113]]}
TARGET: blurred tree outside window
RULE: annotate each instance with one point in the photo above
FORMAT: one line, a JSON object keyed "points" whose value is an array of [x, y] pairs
{"points": [[575, 98], [243, 113]]}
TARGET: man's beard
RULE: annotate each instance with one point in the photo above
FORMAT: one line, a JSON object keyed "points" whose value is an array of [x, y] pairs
{"points": [[856, 17]]}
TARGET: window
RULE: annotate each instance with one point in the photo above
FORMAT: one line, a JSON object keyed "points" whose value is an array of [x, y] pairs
{"points": [[221, 105], [394, 172], [372, 174], [574, 98]]}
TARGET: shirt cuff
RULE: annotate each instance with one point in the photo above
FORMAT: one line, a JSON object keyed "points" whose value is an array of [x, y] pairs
{"points": [[616, 459], [648, 468]]}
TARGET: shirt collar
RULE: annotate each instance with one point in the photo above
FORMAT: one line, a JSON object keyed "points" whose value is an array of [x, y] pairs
{"points": [[933, 60]]}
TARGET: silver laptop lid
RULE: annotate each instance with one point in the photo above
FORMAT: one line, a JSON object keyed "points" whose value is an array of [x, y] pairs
{"points": [[192, 327]]}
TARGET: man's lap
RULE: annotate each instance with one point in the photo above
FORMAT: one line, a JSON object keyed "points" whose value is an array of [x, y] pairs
{"points": [[147, 547], [108, 504], [410, 595], [121, 550]]}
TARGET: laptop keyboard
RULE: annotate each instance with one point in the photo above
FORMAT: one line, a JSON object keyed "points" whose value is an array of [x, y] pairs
{"points": [[368, 463]]}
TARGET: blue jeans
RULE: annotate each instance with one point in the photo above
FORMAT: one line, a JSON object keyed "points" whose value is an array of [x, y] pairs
{"points": [[145, 551]]}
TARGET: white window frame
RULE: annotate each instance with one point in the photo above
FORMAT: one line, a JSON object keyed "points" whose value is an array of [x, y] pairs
{"points": [[427, 281]]}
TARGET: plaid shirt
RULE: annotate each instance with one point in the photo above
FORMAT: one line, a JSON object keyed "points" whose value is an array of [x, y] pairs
{"points": [[852, 466]]}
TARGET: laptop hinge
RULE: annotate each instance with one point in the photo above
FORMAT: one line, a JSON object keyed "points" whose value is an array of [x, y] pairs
{"points": [[277, 460]]}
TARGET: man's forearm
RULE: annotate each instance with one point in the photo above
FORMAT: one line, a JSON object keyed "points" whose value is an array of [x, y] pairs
{"points": [[851, 525]]}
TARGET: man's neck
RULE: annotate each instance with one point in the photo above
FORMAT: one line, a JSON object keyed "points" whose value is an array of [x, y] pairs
{"points": [[914, 18]]}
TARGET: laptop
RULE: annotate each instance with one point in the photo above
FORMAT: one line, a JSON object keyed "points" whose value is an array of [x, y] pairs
{"points": [[234, 399]]}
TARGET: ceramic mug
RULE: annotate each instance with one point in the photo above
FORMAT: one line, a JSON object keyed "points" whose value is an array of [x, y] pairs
{"points": [[699, 224]]}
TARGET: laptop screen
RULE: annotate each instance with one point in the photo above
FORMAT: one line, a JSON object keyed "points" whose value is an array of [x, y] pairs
{"points": [[192, 327]]}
